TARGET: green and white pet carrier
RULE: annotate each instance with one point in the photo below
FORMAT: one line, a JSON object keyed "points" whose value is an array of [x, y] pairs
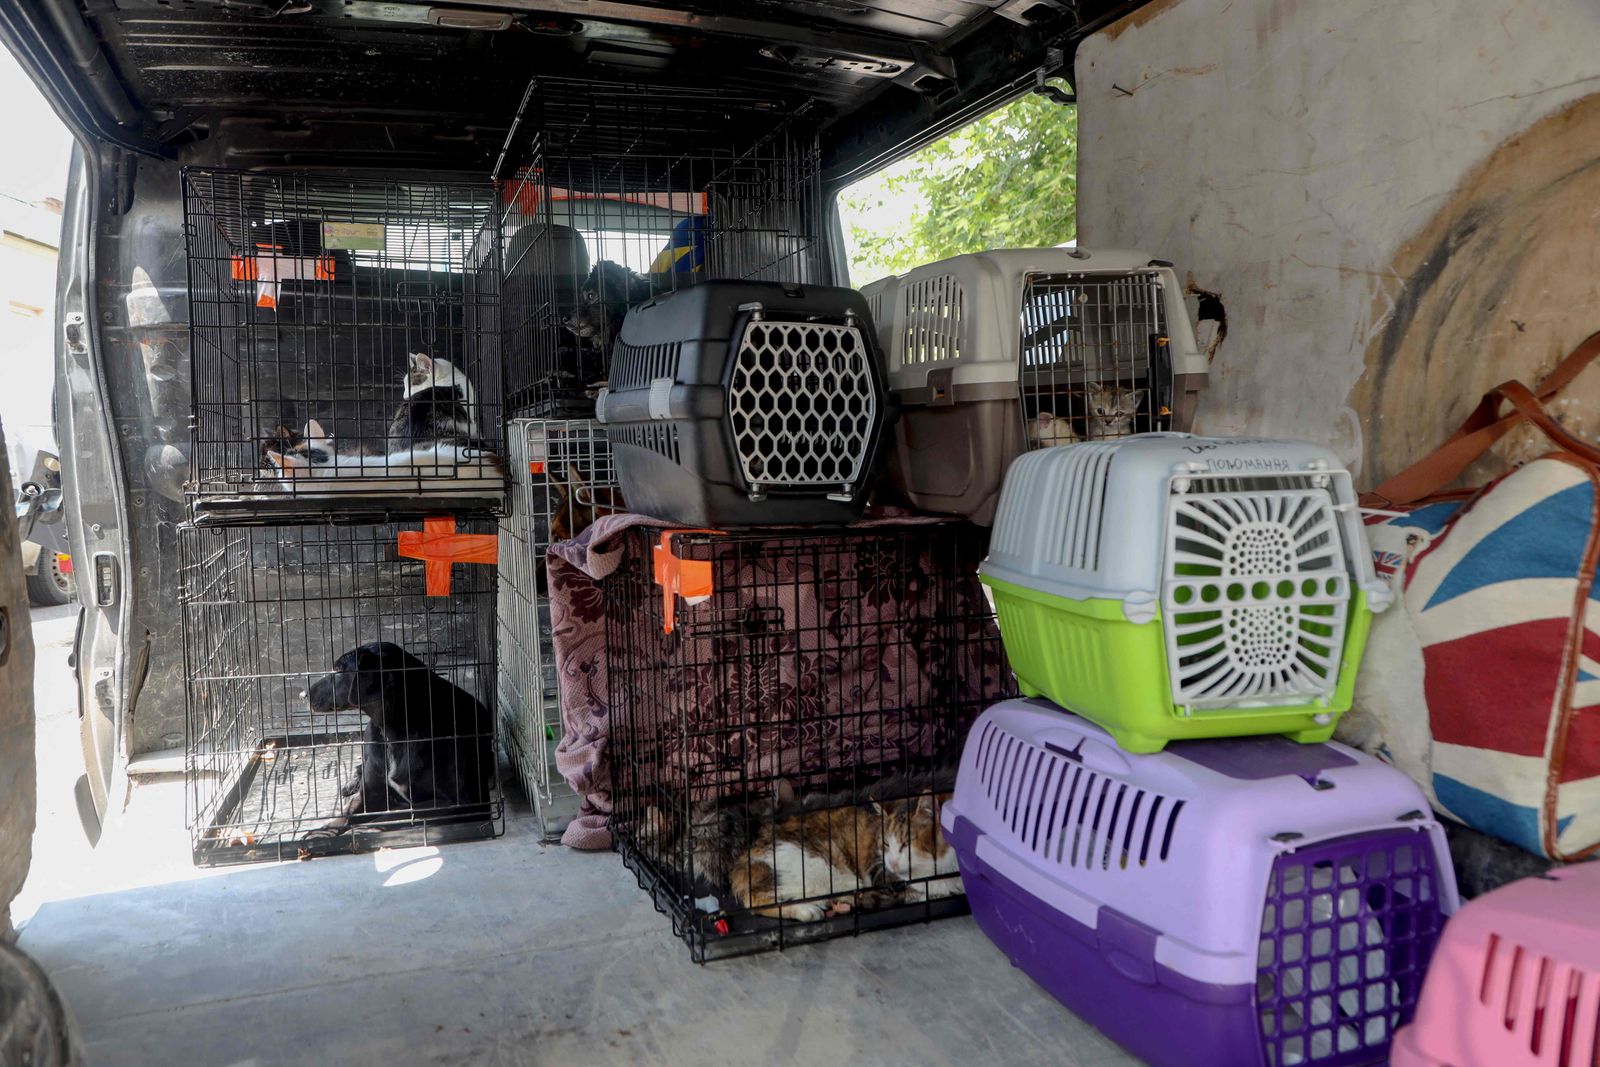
{"points": [[1169, 586]]}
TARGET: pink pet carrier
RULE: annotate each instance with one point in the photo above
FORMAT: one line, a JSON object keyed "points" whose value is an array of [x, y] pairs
{"points": [[1216, 904], [1516, 980]]}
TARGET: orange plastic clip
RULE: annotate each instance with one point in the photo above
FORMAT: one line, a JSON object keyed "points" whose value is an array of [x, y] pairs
{"points": [[439, 547], [536, 466], [688, 578]]}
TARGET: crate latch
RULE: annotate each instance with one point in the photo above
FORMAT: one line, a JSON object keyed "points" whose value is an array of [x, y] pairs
{"points": [[440, 548], [941, 388], [688, 578]]}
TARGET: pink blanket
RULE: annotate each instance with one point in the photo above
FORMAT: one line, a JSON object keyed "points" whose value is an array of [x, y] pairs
{"points": [[806, 738]]}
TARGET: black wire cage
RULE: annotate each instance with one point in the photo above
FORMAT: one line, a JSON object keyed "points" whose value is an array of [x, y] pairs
{"points": [[786, 725], [340, 687], [345, 346], [603, 208]]}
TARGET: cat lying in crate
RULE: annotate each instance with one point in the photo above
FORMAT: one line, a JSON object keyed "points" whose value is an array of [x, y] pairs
{"points": [[776, 857], [429, 744], [1111, 411], [430, 433]]}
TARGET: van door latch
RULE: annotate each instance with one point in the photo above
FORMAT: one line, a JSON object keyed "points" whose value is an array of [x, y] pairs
{"points": [[77, 343]]}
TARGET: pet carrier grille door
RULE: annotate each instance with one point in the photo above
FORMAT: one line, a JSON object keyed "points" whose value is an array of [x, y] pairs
{"points": [[1256, 596], [563, 482], [802, 405], [1271, 903]]}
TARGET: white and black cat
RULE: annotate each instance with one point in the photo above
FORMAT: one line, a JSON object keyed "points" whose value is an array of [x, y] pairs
{"points": [[437, 405]]}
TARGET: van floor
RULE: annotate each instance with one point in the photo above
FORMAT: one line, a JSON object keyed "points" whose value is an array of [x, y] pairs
{"points": [[498, 952]]}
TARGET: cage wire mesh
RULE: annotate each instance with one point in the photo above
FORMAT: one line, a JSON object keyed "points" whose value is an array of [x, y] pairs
{"points": [[603, 207], [274, 736], [310, 298], [1093, 362], [814, 704], [562, 481]]}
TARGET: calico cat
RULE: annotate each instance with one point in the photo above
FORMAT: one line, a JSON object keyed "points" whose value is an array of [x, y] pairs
{"points": [[1111, 410], [832, 851], [437, 404], [314, 454], [603, 302]]}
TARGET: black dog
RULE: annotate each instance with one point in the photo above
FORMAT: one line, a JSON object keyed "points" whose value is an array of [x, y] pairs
{"points": [[603, 302], [429, 745]]}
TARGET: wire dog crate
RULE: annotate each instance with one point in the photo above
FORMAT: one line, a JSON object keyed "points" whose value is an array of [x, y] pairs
{"points": [[332, 705], [786, 695], [345, 346], [1022, 348], [562, 481], [602, 208], [1221, 903]]}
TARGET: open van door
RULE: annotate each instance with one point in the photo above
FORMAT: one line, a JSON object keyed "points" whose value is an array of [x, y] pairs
{"points": [[92, 483]]}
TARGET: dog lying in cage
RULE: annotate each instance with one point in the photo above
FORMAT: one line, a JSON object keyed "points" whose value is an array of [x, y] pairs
{"points": [[777, 856], [429, 744]]}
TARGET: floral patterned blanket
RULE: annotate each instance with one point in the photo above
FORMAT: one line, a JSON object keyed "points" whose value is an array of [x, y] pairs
{"points": [[856, 668]]}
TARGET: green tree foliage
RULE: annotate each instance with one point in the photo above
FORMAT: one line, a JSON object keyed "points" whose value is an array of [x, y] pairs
{"points": [[1008, 180]]}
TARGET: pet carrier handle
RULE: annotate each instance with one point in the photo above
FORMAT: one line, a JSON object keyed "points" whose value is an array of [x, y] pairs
{"points": [[688, 578], [1484, 427]]}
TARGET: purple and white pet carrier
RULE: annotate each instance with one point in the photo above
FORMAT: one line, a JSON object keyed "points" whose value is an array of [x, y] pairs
{"points": [[1227, 902]]}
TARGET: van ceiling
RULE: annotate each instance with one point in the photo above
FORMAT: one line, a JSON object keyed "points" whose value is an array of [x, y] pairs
{"points": [[352, 83]]}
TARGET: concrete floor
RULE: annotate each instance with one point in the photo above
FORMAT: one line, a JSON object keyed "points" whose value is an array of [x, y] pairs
{"points": [[499, 952]]}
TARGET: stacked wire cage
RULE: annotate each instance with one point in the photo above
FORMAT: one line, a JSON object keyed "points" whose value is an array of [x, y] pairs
{"points": [[334, 322], [282, 627], [603, 208], [562, 482], [787, 709], [347, 461]]}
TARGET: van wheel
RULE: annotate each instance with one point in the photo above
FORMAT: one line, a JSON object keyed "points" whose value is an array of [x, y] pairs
{"points": [[51, 586]]}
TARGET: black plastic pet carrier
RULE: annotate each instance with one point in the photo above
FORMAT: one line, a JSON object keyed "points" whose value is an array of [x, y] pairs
{"points": [[747, 403], [603, 207], [345, 348], [340, 687], [781, 692]]}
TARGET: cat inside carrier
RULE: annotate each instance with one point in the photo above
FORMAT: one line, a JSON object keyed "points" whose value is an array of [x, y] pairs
{"points": [[787, 709], [345, 350], [603, 208], [562, 482], [994, 353], [340, 687]]}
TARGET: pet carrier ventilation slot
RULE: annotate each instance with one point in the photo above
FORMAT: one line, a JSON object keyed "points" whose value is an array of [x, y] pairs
{"points": [[345, 349], [1169, 586], [995, 352], [806, 671], [562, 481], [1269, 903], [1516, 979], [767, 409], [603, 207], [316, 661]]}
